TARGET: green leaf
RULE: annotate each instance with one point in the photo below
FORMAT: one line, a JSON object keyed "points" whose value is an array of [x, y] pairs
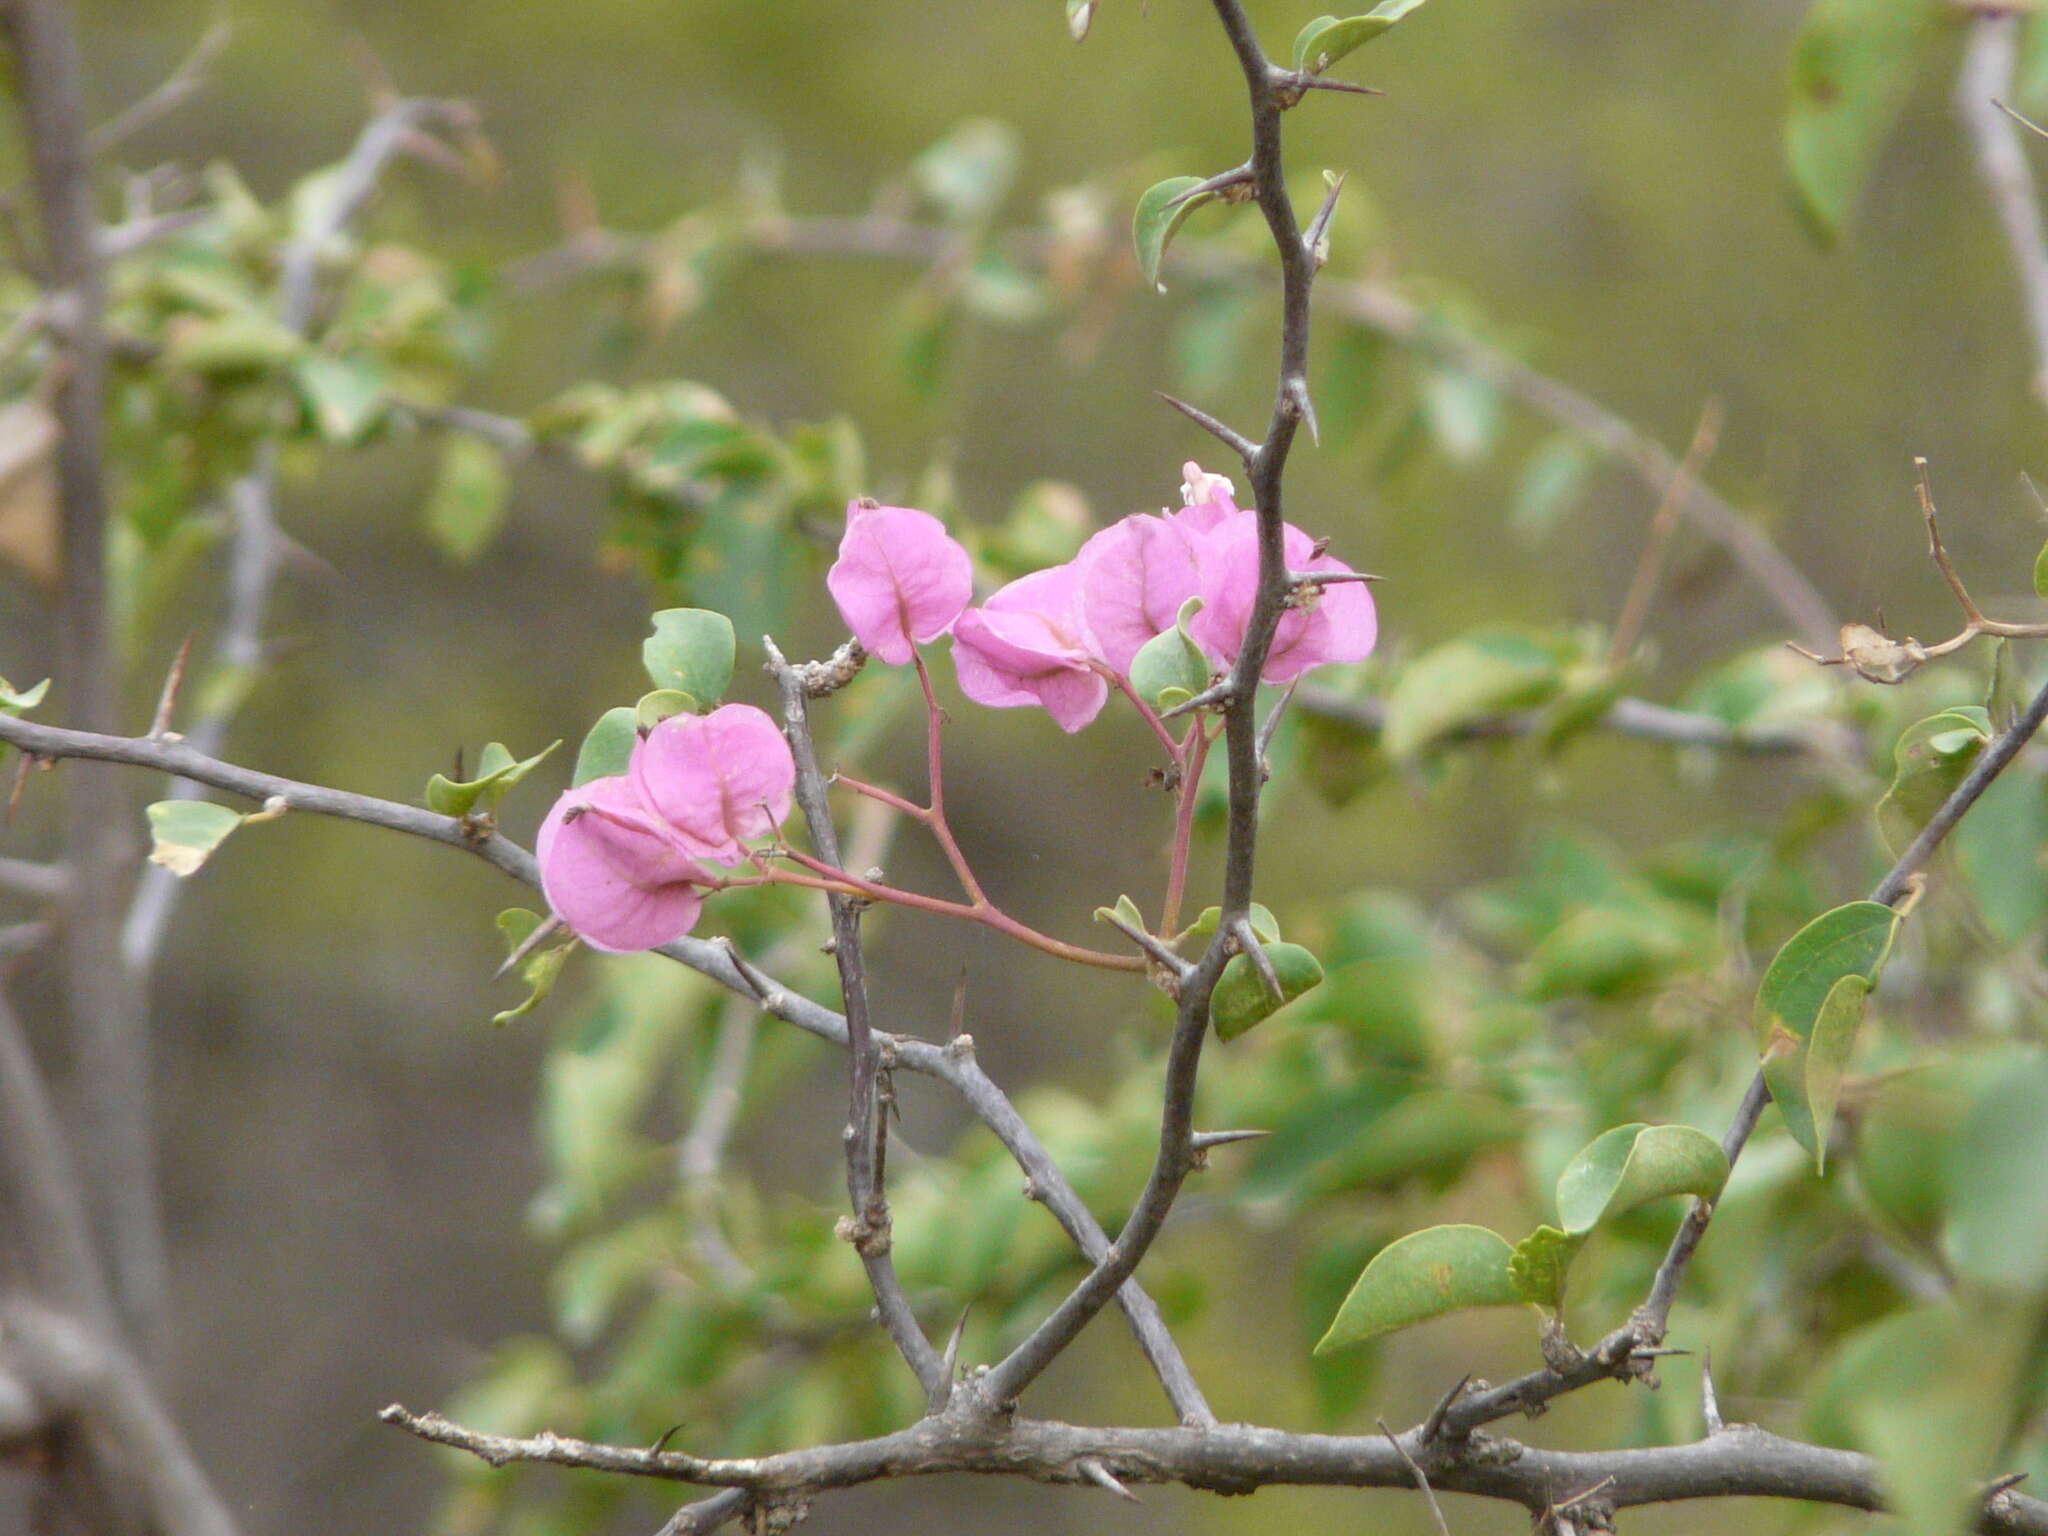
{"points": [[1827, 1056], [1170, 660], [184, 833], [344, 395], [497, 771], [1851, 940], [1632, 1165], [1241, 1000], [540, 967], [1328, 38], [1478, 674], [691, 651], [1852, 70], [1552, 479], [1424, 1275], [1998, 1202], [233, 344], [655, 707], [2041, 572], [15, 703], [1265, 926], [1158, 217], [1463, 412], [1929, 1393], [1539, 1265], [608, 748], [1932, 757], [1127, 910], [466, 507], [968, 172]]}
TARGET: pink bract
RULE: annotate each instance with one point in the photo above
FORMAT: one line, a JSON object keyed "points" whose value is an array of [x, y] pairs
{"points": [[1339, 624], [1134, 576], [610, 874], [716, 780], [1028, 645], [900, 579]]}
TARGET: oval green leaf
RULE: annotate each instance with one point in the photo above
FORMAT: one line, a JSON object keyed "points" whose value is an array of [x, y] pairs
{"points": [[1241, 1000], [1158, 216], [1169, 660], [466, 507], [1931, 759], [608, 749], [1424, 1275], [497, 772], [1632, 1165], [691, 651], [1852, 70], [1827, 1054], [1328, 38], [184, 833], [1477, 674], [1850, 941]]}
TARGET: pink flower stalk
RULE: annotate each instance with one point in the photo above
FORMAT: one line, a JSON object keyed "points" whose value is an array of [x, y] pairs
{"points": [[611, 874], [1338, 622], [1029, 645], [717, 780], [900, 579]]}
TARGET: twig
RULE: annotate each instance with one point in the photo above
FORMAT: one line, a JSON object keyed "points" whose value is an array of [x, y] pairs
{"points": [[1237, 1458], [1615, 1355], [867, 1130], [107, 1009], [1436, 1512], [179, 86], [707, 1515], [1635, 608], [1987, 76]]}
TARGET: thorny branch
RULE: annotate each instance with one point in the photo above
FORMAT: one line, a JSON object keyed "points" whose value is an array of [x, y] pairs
{"points": [[953, 1064], [1618, 1355], [1741, 1461], [867, 1128]]}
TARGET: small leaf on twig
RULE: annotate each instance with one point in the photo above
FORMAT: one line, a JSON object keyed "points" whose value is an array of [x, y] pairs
{"points": [[1242, 998], [691, 651], [1159, 215], [1850, 941], [1328, 38], [1632, 1165], [538, 968], [497, 771], [608, 750], [184, 833], [1424, 1275]]}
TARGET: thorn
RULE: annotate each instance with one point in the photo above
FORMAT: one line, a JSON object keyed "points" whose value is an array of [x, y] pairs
{"points": [[1102, 1477], [1204, 1140], [1328, 578], [1320, 83], [1249, 945], [1710, 1402], [1272, 725], [1295, 393], [2026, 123], [1152, 946], [1232, 439], [1236, 177], [550, 924], [1421, 1478], [167, 701], [1222, 693], [949, 1363], [1433, 1426], [661, 1444], [1316, 239], [2004, 1484]]}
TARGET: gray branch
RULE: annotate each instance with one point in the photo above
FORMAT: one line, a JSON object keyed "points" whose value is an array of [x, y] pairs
{"points": [[716, 959], [1987, 76], [1740, 1462]]}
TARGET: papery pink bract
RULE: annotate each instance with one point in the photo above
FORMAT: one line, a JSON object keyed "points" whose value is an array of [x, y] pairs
{"points": [[611, 874], [1028, 645], [900, 578], [1134, 576], [716, 780], [1339, 625]]}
